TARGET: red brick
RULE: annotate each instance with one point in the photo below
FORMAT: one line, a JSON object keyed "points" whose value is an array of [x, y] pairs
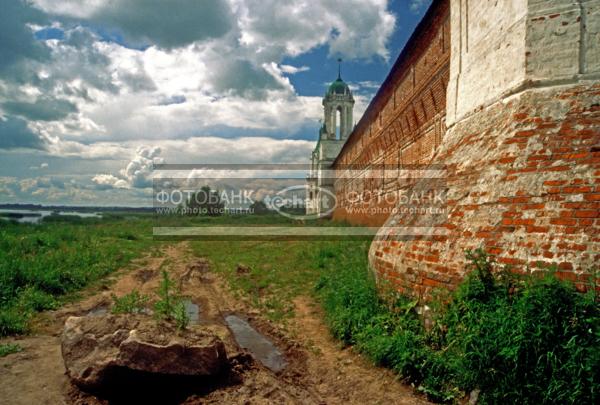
{"points": [[563, 221], [555, 182], [548, 255], [520, 116], [576, 190], [510, 260], [581, 155], [526, 133], [432, 283], [537, 229], [521, 221], [592, 197], [566, 275], [586, 214], [538, 157], [538, 206]]}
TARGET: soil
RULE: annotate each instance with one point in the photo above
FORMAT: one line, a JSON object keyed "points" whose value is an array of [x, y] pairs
{"points": [[318, 370]]}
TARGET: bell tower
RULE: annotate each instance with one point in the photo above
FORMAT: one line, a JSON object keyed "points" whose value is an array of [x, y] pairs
{"points": [[338, 104]]}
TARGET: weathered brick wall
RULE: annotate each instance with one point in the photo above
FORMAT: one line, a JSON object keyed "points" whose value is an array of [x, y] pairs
{"points": [[403, 125], [517, 85], [523, 179]]}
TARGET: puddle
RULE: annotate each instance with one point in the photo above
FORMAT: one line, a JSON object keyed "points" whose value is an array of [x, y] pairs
{"points": [[258, 345], [104, 309], [145, 275], [193, 311], [99, 311]]}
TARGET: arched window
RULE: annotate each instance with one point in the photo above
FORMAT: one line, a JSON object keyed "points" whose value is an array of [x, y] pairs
{"points": [[338, 127]]}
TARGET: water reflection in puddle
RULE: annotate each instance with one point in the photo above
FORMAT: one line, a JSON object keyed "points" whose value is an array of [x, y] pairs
{"points": [[193, 311], [258, 345], [98, 311]]}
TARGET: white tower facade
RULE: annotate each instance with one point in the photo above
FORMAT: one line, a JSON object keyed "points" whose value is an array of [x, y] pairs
{"points": [[338, 106], [338, 102]]}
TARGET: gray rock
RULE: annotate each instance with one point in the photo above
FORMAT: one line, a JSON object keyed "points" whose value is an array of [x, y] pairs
{"points": [[95, 348], [474, 396]]}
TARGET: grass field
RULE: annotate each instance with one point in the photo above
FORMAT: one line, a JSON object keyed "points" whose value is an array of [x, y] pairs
{"points": [[517, 340], [42, 264], [275, 271]]}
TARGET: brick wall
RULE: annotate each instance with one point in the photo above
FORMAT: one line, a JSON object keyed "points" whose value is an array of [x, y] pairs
{"points": [[523, 182], [403, 125], [517, 84]]}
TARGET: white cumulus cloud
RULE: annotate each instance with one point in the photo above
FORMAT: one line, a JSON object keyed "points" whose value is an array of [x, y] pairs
{"points": [[137, 174]]}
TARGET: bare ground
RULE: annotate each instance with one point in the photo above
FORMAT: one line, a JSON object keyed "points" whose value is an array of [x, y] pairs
{"points": [[319, 371]]}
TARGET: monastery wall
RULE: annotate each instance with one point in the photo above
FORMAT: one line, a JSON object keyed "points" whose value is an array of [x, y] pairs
{"points": [[403, 125], [517, 135]]}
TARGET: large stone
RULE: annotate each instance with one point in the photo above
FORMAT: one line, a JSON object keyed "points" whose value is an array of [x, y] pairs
{"points": [[105, 350]]}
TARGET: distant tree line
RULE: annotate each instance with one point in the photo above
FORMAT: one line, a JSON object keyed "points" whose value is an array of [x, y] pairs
{"points": [[208, 202], [203, 202]]}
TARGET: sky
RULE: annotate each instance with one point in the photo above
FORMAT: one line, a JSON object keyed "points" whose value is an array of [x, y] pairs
{"points": [[94, 92]]}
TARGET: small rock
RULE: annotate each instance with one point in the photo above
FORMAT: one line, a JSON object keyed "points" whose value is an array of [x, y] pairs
{"points": [[474, 396], [242, 269]]}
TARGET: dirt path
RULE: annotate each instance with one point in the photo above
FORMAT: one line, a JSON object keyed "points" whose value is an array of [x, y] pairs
{"points": [[317, 371]]}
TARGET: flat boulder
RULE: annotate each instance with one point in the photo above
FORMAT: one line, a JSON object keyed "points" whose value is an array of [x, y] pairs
{"points": [[106, 353]]}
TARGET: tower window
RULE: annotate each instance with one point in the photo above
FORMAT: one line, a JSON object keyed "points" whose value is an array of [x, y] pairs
{"points": [[338, 127]]}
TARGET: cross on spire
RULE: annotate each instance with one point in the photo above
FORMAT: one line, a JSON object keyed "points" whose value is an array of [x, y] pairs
{"points": [[339, 68]]}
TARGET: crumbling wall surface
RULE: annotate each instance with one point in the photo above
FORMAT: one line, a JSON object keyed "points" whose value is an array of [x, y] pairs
{"points": [[523, 181], [502, 47]]}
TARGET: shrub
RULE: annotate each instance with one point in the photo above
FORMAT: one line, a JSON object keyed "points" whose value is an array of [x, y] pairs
{"points": [[9, 348], [36, 300], [170, 306], [13, 321], [180, 315], [534, 340], [132, 303]]}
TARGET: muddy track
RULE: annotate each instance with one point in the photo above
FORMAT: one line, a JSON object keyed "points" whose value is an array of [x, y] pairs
{"points": [[317, 370]]}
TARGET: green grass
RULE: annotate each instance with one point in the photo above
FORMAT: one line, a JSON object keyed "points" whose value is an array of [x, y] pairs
{"points": [[9, 348], [42, 264], [529, 341], [278, 271]]}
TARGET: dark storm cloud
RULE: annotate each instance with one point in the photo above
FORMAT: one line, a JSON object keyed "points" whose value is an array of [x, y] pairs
{"points": [[76, 57], [14, 133], [242, 78], [43, 109], [17, 42], [167, 24]]}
